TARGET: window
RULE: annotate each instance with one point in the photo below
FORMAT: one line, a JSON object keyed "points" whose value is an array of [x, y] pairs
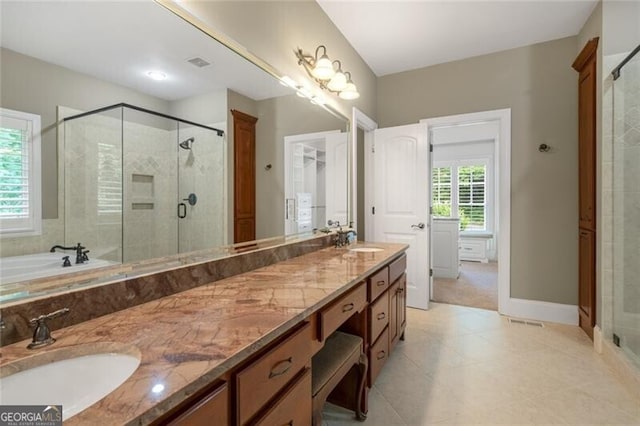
{"points": [[461, 188], [109, 179], [19, 174], [471, 205], [441, 200]]}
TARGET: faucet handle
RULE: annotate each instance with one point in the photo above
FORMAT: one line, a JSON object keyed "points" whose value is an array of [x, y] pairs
{"points": [[51, 315], [66, 262], [41, 333]]}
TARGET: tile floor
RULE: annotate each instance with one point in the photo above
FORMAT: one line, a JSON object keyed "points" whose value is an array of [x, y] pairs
{"points": [[461, 365]]}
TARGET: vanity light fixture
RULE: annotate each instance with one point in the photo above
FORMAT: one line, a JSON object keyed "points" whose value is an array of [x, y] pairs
{"points": [[156, 75], [327, 74]]}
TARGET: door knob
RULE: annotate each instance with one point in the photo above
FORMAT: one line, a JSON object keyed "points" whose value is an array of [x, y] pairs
{"points": [[419, 226]]}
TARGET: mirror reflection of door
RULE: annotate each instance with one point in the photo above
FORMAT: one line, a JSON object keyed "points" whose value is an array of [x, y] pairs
{"points": [[244, 181], [315, 172]]}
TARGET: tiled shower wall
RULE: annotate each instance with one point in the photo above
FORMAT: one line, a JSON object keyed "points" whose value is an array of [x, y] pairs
{"points": [[626, 205]]}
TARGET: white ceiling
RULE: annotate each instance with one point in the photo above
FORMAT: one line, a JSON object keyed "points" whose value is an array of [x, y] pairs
{"points": [[394, 36], [120, 41]]}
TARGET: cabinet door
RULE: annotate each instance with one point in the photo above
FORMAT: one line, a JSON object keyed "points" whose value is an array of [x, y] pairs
{"points": [[393, 315], [587, 145], [402, 305], [213, 408], [587, 287]]}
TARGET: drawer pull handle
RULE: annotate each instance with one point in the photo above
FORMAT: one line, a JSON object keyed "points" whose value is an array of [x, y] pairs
{"points": [[281, 367], [381, 283], [289, 423], [381, 316], [381, 354], [348, 307]]}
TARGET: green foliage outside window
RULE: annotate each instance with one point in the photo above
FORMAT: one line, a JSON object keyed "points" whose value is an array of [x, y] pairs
{"points": [[13, 174]]}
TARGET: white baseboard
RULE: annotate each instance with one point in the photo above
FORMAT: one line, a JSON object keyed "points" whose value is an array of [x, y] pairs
{"points": [[540, 311]]}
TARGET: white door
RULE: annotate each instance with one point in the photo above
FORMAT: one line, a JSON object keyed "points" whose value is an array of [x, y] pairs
{"points": [[337, 169], [401, 194]]}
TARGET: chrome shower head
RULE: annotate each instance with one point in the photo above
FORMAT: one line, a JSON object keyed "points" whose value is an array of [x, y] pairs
{"points": [[186, 144]]}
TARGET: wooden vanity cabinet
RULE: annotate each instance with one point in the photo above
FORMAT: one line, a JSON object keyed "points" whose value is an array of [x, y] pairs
{"points": [[262, 380], [211, 406], [293, 408], [338, 312], [274, 387], [397, 310]]}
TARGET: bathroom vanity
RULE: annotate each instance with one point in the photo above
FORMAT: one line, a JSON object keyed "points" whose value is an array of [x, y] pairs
{"points": [[239, 350]]}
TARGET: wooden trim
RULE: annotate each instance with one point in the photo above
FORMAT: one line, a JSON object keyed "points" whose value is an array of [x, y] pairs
{"points": [[243, 116], [587, 52]]}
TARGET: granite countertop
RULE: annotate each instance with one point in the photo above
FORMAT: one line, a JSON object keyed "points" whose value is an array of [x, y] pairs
{"points": [[189, 339]]}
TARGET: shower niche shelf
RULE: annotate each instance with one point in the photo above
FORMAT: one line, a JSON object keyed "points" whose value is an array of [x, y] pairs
{"points": [[142, 192]]}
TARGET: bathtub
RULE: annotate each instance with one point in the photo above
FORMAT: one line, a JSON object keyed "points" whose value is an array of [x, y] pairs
{"points": [[40, 265]]}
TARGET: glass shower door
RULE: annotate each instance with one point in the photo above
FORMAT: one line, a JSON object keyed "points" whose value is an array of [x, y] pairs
{"points": [[201, 198], [150, 176], [626, 199]]}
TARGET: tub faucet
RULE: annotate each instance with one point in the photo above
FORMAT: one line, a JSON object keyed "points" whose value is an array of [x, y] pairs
{"points": [[81, 253], [42, 334]]}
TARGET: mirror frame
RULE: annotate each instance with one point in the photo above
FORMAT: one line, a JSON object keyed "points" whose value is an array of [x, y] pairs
{"points": [[116, 273]]}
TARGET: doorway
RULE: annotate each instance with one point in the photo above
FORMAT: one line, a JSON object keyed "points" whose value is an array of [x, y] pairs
{"points": [[502, 197], [464, 206], [470, 187]]}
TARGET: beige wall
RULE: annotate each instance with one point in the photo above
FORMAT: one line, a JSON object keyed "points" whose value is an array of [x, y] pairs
{"points": [[273, 30], [539, 86]]}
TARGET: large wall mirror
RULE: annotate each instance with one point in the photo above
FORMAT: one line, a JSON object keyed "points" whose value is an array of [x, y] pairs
{"points": [[145, 125]]}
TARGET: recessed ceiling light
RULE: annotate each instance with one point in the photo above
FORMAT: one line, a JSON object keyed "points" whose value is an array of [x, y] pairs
{"points": [[157, 75]]}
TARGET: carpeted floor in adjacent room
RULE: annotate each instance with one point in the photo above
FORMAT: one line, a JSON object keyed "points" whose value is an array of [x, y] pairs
{"points": [[477, 286]]}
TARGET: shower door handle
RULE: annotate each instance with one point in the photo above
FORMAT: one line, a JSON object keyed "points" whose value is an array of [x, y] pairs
{"points": [[182, 210]]}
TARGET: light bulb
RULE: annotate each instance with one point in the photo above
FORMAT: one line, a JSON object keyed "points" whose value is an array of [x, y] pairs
{"points": [[350, 92], [338, 83], [323, 70]]}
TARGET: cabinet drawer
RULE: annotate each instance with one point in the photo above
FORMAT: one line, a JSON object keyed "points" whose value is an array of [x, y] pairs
{"points": [[378, 283], [378, 316], [261, 380], [473, 249], [335, 315], [294, 407], [213, 408], [378, 355], [397, 268]]}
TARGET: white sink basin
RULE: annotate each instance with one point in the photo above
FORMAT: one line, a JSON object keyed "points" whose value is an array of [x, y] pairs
{"points": [[366, 249], [75, 380]]}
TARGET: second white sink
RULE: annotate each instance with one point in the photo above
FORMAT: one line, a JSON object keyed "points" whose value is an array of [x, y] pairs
{"points": [[75, 382], [366, 249]]}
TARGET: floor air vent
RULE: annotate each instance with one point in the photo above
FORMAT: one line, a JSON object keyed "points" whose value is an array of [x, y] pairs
{"points": [[525, 322]]}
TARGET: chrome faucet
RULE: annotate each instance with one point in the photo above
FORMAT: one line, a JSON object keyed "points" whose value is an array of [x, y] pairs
{"points": [[42, 334], [344, 238]]}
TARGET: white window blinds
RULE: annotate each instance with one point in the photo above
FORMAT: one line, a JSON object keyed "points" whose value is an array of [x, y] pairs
{"points": [[14, 168], [19, 173]]}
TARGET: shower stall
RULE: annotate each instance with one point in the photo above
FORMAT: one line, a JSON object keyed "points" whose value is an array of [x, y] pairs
{"points": [[141, 184], [626, 206]]}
